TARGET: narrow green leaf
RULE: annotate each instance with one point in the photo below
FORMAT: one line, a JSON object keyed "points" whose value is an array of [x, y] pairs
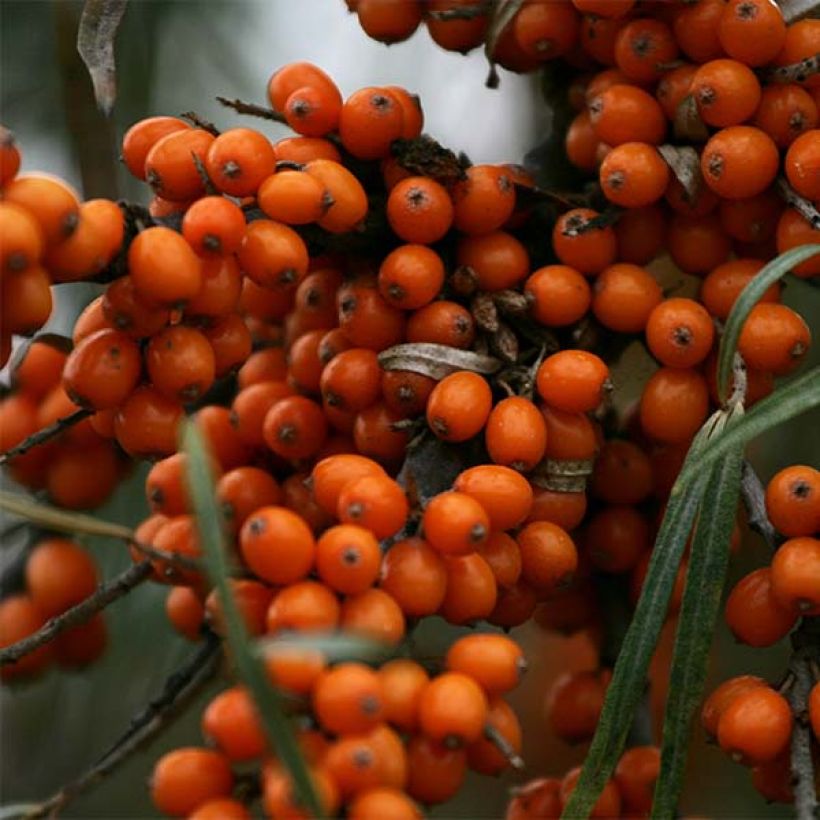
{"points": [[210, 526], [335, 646], [705, 579], [763, 280], [629, 676], [57, 519], [14, 811], [790, 400]]}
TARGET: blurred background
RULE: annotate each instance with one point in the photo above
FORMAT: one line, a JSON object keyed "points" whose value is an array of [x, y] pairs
{"points": [[177, 56]]}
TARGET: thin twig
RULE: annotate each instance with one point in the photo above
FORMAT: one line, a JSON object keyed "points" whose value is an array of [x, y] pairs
{"points": [[45, 434], [796, 72], [199, 122], [754, 499], [106, 594], [252, 109], [504, 746], [799, 203], [180, 686], [481, 9]]}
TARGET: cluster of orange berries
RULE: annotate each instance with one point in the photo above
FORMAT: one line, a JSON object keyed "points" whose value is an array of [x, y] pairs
{"points": [[329, 294], [376, 741], [59, 574], [628, 793]]}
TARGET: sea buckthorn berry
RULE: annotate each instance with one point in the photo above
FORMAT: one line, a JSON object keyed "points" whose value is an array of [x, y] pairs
{"points": [[273, 255], [180, 363], [141, 137], [163, 267], [369, 121], [597, 39], [9, 156], [313, 111], [376, 437], [498, 260], [238, 160], [792, 231], [715, 705], [773, 780], [484, 200], [435, 771], [441, 720], [561, 295], [514, 605], [674, 87], [59, 574], [419, 210], [793, 501], [624, 297], [165, 488], [516, 434], [635, 776], [351, 380], [796, 575], [19, 618], [293, 197], [264, 365], [303, 607], [697, 244], [295, 670], [483, 755], [22, 239], [574, 704], [616, 537], [472, 591], [253, 600], [170, 168], [347, 699], [739, 162], [287, 79], [633, 174], [184, 779], [455, 34], [674, 404], [545, 31], [413, 116], [215, 425], [680, 332], [581, 143], [442, 322], [244, 490], [755, 726], [373, 614], [103, 370], [411, 276], [802, 164], [459, 406], [220, 292], [754, 614], [588, 250], [214, 226], [405, 392], [30, 292], [567, 510], [800, 43], [573, 381], [383, 801], [295, 427], [277, 545], [505, 495], [752, 31], [415, 576], [279, 798], [354, 765], [332, 474], [503, 556], [221, 809], [185, 611], [232, 723], [726, 92], [785, 113], [753, 219], [643, 47], [367, 319], [403, 682], [538, 798], [548, 556], [626, 113], [231, 343], [607, 805], [123, 309], [305, 368], [53, 204], [774, 338], [40, 370], [388, 21], [495, 662], [348, 558], [569, 435], [375, 502], [455, 523], [721, 288], [349, 206]]}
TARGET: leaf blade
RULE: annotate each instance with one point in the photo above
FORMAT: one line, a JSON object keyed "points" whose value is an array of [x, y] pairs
{"points": [[749, 297], [95, 43], [211, 533]]}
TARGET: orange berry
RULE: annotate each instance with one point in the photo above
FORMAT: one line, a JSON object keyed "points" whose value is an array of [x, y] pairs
{"points": [[184, 779], [756, 725]]}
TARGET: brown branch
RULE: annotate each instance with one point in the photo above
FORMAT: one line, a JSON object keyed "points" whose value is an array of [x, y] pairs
{"points": [[754, 499], [146, 724], [251, 109], [45, 434], [106, 594], [799, 203], [199, 122], [481, 9], [796, 72]]}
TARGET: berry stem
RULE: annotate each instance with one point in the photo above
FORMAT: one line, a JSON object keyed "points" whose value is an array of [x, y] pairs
{"points": [[106, 594], [45, 434], [178, 688], [801, 205], [796, 72], [251, 109], [754, 499], [199, 122]]}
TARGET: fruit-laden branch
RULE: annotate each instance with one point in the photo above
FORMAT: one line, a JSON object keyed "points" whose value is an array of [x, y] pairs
{"points": [[106, 594], [45, 434], [146, 724]]}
